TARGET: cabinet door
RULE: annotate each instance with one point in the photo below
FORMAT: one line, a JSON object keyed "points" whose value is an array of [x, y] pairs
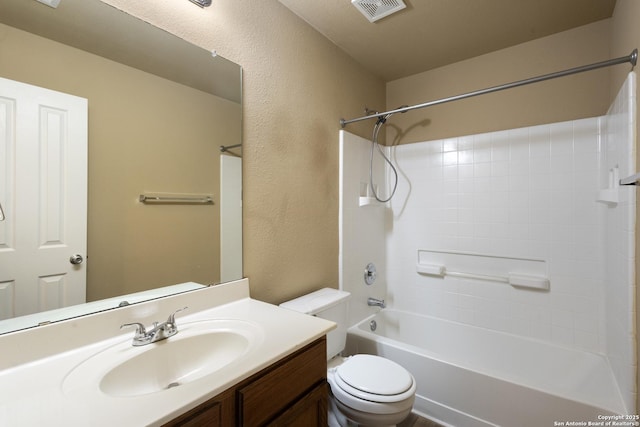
{"points": [[282, 386], [292, 392], [217, 412], [206, 415], [309, 411]]}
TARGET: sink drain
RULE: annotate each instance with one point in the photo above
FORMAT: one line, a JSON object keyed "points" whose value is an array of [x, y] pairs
{"points": [[172, 385]]}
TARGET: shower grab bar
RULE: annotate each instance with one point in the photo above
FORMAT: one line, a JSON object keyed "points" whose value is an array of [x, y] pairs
{"points": [[632, 58], [224, 148], [513, 279], [186, 199]]}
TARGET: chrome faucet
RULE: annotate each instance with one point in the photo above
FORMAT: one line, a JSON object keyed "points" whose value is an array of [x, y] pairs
{"points": [[157, 333], [375, 302]]}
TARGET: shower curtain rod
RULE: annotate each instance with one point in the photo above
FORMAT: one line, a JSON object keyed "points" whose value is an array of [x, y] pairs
{"points": [[632, 58], [224, 148]]}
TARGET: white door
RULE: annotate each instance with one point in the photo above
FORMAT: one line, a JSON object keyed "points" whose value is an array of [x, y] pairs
{"points": [[230, 218], [43, 192]]}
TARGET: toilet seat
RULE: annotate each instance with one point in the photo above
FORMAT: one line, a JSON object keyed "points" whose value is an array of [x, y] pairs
{"points": [[374, 378], [368, 372]]}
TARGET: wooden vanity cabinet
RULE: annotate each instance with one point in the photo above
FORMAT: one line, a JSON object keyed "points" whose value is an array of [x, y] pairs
{"points": [[291, 392], [215, 412]]}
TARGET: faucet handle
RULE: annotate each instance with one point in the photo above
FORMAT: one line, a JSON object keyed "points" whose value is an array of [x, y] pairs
{"points": [[172, 317], [140, 329]]}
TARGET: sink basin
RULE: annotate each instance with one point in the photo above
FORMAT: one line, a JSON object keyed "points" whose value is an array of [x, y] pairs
{"points": [[198, 350], [171, 363]]}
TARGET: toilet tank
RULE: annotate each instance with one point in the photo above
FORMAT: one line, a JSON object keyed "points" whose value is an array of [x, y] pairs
{"points": [[330, 304]]}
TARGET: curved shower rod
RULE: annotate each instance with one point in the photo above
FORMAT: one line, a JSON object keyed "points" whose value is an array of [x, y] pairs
{"points": [[632, 58]]}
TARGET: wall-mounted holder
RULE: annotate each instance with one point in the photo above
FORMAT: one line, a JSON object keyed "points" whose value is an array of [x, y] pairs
{"points": [[367, 197], [517, 272], [631, 180], [166, 198], [609, 195], [368, 201], [515, 280]]}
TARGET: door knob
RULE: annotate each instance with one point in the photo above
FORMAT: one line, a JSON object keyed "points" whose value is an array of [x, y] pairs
{"points": [[76, 259]]}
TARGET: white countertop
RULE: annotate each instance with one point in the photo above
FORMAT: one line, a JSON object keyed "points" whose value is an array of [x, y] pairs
{"points": [[31, 393]]}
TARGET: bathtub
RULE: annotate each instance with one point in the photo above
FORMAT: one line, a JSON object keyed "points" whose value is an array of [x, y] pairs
{"points": [[469, 376]]}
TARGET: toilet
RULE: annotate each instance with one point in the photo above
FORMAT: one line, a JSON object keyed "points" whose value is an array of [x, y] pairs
{"points": [[366, 390]]}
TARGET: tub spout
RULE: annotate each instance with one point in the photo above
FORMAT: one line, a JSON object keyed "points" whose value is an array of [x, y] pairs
{"points": [[374, 302]]}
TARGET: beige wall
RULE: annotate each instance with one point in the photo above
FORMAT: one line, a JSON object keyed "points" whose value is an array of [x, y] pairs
{"points": [[297, 85], [146, 134], [625, 36], [567, 98]]}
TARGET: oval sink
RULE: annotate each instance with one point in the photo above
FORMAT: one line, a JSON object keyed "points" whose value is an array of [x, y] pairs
{"points": [[171, 363], [199, 349]]}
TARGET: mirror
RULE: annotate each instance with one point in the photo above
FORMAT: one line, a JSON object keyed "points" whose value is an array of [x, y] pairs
{"points": [[159, 111]]}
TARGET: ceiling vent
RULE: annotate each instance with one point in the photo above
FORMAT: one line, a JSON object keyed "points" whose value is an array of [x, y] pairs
{"points": [[50, 3], [378, 9]]}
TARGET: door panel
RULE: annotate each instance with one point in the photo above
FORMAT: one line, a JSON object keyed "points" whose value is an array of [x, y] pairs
{"points": [[230, 218], [43, 191]]}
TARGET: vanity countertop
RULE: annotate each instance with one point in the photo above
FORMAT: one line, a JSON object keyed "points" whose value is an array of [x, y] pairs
{"points": [[33, 391]]}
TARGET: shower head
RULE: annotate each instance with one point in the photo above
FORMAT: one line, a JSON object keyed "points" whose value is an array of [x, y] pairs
{"points": [[51, 3], [383, 119]]}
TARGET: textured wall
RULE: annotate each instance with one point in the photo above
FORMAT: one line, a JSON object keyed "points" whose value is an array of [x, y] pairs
{"points": [[566, 98], [363, 233], [297, 85]]}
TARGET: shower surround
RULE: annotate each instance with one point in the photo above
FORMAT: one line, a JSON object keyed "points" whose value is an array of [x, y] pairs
{"points": [[546, 193]]}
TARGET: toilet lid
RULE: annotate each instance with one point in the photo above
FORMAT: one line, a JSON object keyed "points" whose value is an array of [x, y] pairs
{"points": [[375, 375]]}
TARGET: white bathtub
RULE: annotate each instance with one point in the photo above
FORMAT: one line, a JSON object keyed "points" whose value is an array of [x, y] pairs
{"points": [[469, 376]]}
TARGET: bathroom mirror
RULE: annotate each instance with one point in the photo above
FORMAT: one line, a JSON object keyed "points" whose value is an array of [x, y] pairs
{"points": [[159, 110]]}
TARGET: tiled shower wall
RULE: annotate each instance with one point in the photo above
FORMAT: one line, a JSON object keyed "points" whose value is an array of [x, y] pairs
{"points": [[362, 228], [527, 193], [619, 150]]}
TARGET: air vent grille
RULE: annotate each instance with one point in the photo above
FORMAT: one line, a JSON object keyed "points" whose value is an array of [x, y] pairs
{"points": [[378, 9]]}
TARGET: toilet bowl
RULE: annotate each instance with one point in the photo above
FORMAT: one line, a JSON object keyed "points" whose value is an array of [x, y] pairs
{"points": [[371, 391], [366, 390]]}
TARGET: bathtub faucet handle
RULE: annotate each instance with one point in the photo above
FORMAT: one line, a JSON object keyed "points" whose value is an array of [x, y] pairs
{"points": [[370, 274], [375, 302]]}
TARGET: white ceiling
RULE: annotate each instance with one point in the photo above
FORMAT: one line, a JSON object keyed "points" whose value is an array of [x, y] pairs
{"points": [[431, 33]]}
